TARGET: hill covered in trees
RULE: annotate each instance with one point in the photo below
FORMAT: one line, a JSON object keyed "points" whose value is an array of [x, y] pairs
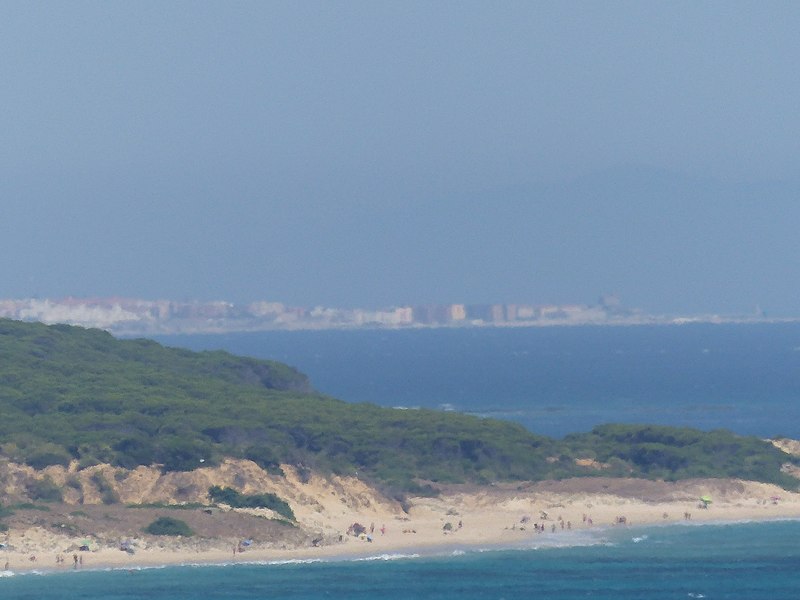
{"points": [[68, 393]]}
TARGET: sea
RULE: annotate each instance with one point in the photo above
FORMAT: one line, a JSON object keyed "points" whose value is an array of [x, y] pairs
{"points": [[554, 381]]}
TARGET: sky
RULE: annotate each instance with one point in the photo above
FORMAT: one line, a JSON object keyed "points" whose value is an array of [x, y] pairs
{"points": [[374, 154]]}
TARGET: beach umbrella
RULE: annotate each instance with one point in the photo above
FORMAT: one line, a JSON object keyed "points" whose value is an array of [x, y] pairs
{"points": [[87, 545], [705, 500]]}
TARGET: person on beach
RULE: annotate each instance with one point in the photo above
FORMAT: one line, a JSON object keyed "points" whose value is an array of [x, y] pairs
{"points": [[383, 529], [75, 561]]}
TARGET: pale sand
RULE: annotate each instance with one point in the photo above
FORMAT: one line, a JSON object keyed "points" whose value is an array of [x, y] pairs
{"points": [[492, 516]]}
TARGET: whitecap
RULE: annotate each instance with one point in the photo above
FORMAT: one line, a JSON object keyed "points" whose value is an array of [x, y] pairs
{"points": [[387, 557]]}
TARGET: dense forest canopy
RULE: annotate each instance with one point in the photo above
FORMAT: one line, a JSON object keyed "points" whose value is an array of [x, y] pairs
{"points": [[68, 393]]}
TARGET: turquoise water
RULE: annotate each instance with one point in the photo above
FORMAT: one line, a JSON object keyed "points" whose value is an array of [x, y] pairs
{"points": [[745, 561]]}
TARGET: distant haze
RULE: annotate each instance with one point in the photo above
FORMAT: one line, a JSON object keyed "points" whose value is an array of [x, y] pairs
{"points": [[375, 154]]}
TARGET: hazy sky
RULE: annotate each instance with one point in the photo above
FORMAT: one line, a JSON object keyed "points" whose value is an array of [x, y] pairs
{"points": [[381, 153]]}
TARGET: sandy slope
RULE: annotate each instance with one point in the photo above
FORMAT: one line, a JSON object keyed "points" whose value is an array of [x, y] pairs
{"points": [[326, 507]]}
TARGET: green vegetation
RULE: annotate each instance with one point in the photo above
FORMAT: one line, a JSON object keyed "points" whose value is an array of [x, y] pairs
{"points": [[68, 393], [236, 499], [169, 526], [107, 493], [673, 453], [29, 506], [4, 512], [186, 506], [44, 489]]}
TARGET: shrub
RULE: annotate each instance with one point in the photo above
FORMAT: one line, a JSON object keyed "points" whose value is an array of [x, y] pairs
{"points": [[44, 489], [46, 455], [87, 461], [107, 493], [265, 458], [30, 506], [178, 454], [134, 451], [169, 526], [238, 500]]}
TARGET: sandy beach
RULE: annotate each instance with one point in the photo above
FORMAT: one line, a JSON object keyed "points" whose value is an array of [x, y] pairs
{"points": [[461, 517]]}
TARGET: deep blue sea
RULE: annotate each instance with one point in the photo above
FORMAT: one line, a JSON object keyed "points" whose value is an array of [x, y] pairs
{"points": [[742, 562], [558, 380], [554, 381]]}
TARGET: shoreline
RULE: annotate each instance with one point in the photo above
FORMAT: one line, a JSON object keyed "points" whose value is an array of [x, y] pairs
{"points": [[494, 518], [270, 558]]}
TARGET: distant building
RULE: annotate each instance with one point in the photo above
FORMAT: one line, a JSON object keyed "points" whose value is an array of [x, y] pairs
{"points": [[457, 312], [392, 318], [425, 315], [488, 313], [479, 312], [497, 314], [511, 312], [526, 312]]}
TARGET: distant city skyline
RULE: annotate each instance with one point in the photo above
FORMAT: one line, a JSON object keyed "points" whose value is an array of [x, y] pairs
{"points": [[136, 316], [403, 153]]}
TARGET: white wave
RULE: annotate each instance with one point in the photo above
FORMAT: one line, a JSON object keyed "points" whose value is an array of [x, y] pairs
{"points": [[289, 561], [387, 557]]}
